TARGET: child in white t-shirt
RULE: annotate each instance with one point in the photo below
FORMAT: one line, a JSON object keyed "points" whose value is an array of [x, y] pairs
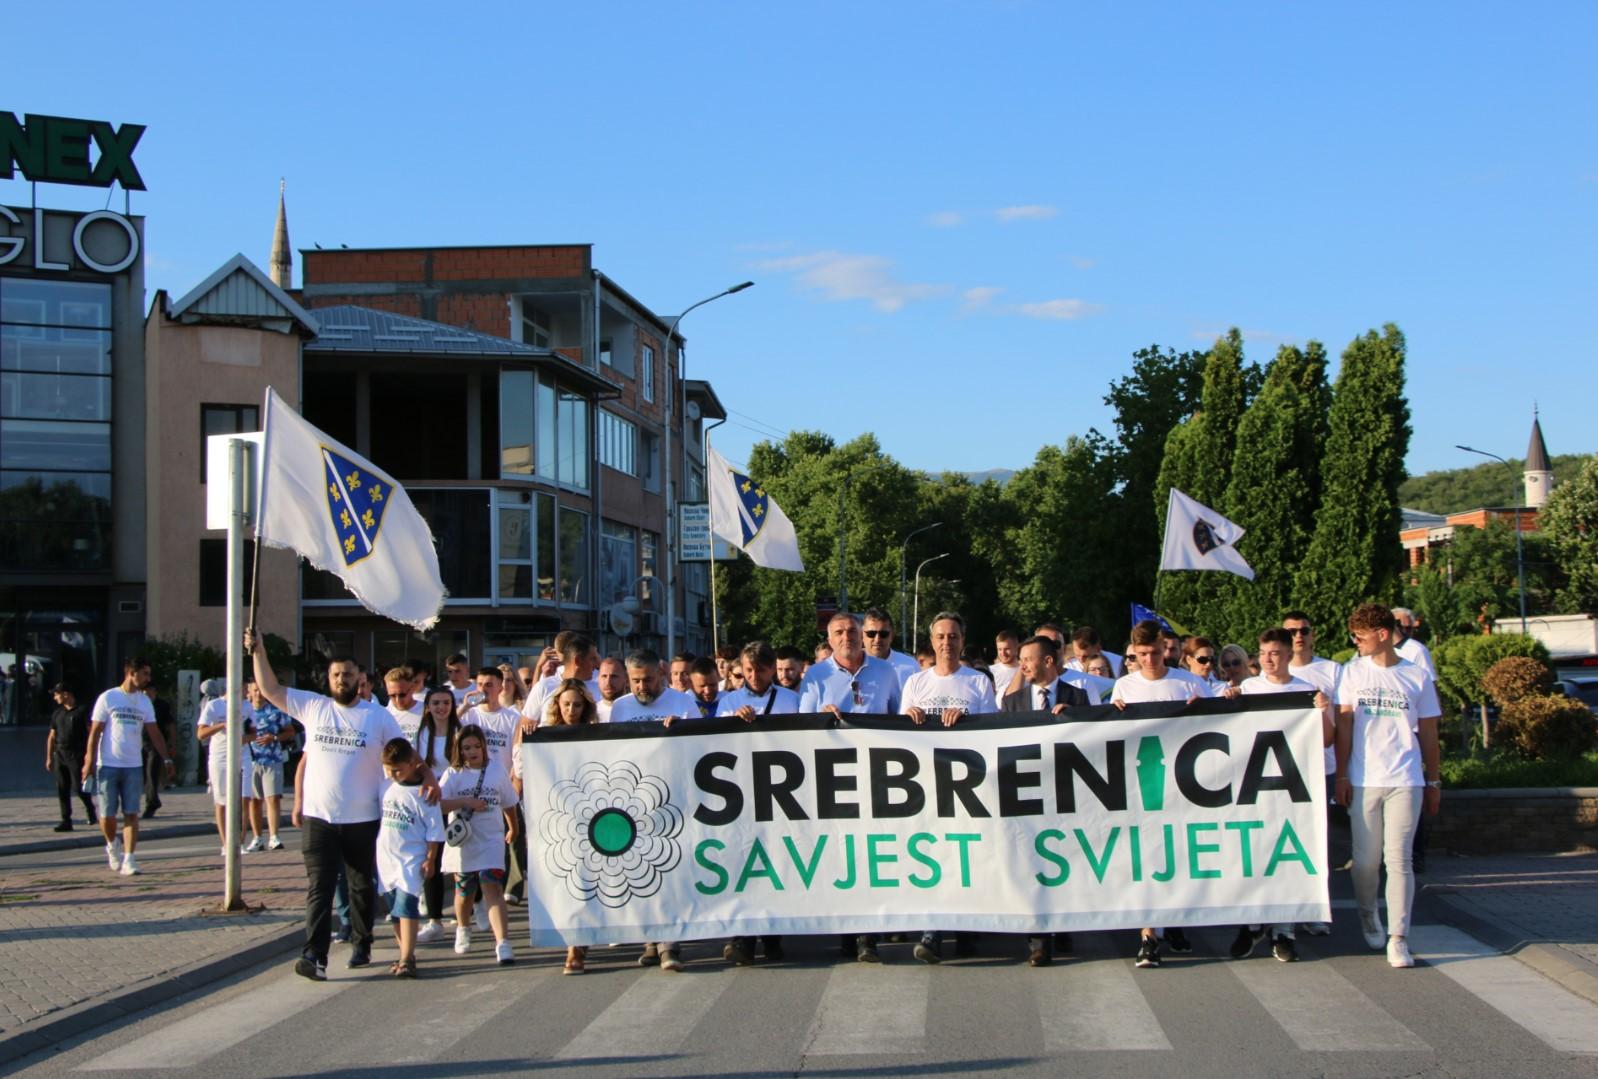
{"points": [[478, 785], [407, 848]]}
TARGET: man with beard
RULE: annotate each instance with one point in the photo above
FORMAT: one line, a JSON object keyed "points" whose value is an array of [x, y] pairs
{"points": [[878, 634], [790, 667], [612, 680]]}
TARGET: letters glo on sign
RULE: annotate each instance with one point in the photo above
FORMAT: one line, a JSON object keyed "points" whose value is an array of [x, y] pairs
{"points": [[55, 150]]}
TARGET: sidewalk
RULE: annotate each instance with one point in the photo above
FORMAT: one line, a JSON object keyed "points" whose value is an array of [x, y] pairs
{"points": [[80, 946], [28, 820], [1540, 908]]}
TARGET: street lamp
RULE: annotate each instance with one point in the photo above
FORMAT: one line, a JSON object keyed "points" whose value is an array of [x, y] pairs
{"points": [[904, 597], [1520, 552], [915, 629], [673, 387]]}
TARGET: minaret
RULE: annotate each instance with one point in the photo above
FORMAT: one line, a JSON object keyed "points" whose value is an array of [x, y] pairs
{"points": [[1539, 477], [282, 271]]}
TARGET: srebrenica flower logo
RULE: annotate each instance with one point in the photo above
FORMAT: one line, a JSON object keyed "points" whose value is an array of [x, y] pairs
{"points": [[611, 833]]}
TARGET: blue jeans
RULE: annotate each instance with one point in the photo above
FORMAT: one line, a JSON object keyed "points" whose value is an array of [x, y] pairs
{"points": [[119, 788]]}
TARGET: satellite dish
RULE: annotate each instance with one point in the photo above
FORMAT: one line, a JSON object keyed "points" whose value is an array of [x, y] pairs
{"points": [[691, 410], [621, 620]]}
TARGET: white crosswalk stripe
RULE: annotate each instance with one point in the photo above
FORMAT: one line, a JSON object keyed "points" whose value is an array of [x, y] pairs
{"points": [[1550, 1011], [447, 1019], [1097, 1005], [654, 1016], [198, 1037], [1320, 1009], [867, 1008]]}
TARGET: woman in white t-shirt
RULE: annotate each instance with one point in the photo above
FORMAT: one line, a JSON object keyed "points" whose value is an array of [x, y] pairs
{"points": [[1387, 771], [571, 706], [435, 743], [478, 784]]}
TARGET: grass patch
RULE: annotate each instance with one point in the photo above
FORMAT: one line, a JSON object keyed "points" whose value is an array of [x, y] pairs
{"points": [[1477, 773], [17, 897]]}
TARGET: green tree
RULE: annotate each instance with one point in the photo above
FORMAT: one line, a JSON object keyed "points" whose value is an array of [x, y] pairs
{"points": [[1354, 554], [1571, 522], [1274, 491], [1474, 579]]}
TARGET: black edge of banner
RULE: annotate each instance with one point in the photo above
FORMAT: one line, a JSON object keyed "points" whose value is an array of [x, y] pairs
{"points": [[698, 728]]}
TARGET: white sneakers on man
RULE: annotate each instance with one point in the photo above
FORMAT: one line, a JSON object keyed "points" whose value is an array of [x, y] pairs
{"points": [[429, 933], [463, 940], [1398, 953], [253, 845], [1370, 923], [130, 866], [113, 855]]}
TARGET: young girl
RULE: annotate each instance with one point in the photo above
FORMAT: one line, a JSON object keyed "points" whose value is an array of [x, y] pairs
{"points": [[475, 782], [407, 847], [569, 706], [435, 743]]}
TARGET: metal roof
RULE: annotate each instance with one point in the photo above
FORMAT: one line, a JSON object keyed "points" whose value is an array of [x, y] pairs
{"points": [[240, 292], [1537, 452]]}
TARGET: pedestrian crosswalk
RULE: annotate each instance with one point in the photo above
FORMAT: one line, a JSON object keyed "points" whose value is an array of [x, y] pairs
{"points": [[1093, 1002]]}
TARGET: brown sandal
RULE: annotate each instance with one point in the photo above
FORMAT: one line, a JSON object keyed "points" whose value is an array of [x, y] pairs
{"points": [[574, 961], [405, 968]]}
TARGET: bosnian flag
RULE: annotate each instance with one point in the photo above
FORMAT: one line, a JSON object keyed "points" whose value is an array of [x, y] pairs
{"points": [[745, 516], [1196, 537], [335, 508]]}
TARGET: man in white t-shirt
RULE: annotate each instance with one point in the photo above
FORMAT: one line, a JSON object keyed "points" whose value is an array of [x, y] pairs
{"points": [[611, 678], [847, 679], [1154, 681], [1408, 647], [945, 691], [338, 796], [458, 677], [1324, 675], [210, 727], [578, 657], [1275, 652], [1387, 771], [400, 683], [1006, 659], [877, 632], [1085, 644], [122, 718], [791, 664], [501, 725]]}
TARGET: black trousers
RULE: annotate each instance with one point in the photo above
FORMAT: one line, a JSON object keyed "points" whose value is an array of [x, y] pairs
{"points": [[154, 772], [433, 894], [327, 848], [69, 781]]}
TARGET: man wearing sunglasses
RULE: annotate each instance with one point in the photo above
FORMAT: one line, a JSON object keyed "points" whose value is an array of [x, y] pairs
{"points": [[878, 633], [1408, 646], [1326, 677]]}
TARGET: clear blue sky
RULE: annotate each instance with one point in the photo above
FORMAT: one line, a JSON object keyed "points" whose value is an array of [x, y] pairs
{"points": [[962, 218]]}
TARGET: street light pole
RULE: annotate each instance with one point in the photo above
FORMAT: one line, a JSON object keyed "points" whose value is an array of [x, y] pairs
{"points": [[904, 596], [673, 387], [1520, 551], [915, 629]]}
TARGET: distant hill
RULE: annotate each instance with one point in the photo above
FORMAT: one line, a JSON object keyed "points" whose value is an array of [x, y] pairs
{"points": [[1487, 484], [1001, 474]]}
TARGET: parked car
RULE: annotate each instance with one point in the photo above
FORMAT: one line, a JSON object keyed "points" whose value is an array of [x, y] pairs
{"points": [[1584, 690]]}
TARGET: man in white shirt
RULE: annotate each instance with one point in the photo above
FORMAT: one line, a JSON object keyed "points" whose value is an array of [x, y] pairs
{"points": [[501, 725], [1275, 652], [1387, 771], [612, 681], [682, 665], [579, 657], [1085, 644], [338, 794], [879, 637], [1006, 658], [1408, 647], [457, 673], [847, 679], [400, 684], [1154, 681], [122, 718], [791, 666], [1324, 675]]}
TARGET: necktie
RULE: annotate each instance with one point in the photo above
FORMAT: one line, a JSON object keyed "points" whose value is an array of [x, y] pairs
{"points": [[1045, 699]]}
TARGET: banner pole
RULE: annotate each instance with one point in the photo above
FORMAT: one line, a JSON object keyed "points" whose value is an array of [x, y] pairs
{"points": [[710, 497], [238, 463]]}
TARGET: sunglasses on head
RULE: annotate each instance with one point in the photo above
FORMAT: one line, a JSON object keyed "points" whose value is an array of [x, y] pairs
{"points": [[854, 687], [878, 633]]}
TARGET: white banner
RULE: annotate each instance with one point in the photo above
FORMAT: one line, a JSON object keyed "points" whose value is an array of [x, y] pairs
{"points": [[1210, 813]]}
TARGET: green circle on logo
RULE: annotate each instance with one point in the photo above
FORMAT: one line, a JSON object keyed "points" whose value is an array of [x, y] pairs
{"points": [[612, 832]]}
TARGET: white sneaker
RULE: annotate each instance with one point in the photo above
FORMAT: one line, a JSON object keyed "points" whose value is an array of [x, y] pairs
{"points": [[274, 843], [222, 851], [1370, 923], [463, 940], [113, 856], [503, 953], [253, 845], [429, 933], [1398, 953], [1317, 929], [480, 917], [130, 866]]}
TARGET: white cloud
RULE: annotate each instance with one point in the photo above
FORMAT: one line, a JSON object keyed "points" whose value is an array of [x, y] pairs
{"points": [[1208, 334], [980, 296], [946, 219], [840, 276], [1082, 262], [1026, 213], [1058, 310]]}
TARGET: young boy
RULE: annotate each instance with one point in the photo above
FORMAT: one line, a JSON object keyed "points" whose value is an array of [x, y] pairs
{"points": [[407, 847]]}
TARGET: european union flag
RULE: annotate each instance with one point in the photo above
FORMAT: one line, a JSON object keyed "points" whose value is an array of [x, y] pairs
{"points": [[356, 500], [1141, 613]]}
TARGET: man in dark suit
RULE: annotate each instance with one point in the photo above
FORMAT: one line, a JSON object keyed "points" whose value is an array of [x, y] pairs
{"points": [[1043, 690]]}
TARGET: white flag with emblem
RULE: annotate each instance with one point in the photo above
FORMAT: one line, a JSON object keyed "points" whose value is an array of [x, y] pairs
{"points": [[343, 515], [745, 516], [1196, 537]]}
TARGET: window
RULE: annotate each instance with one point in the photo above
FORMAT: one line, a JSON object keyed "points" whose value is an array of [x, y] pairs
{"points": [[618, 443], [55, 425], [649, 461], [605, 353], [544, 427], [213, 570], [517, 513], [460, 518], [573, 556], [536, 326], [225, 420], [572, 437], [516, 424], [646, 374], [618, 555], [648, 563], [694, 482]]}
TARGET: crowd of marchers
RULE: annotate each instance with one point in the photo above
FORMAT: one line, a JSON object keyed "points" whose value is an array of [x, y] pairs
{"points": [[413, 800]]}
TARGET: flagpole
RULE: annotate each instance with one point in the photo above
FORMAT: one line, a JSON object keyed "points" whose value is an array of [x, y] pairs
{"points": [[710, 493], [239, 455]]}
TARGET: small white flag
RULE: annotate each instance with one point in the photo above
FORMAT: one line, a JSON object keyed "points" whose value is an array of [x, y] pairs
{"points": [[335, 508], [745, 516], [1196, 537]]}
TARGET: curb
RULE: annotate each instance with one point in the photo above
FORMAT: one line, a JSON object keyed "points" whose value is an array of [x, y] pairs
{"points": [[53, 1029], [1550, 960], [93, 839]]}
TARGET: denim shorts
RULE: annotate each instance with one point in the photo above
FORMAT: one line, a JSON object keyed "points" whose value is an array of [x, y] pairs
{"points": [[403, 904], [119, 788]]}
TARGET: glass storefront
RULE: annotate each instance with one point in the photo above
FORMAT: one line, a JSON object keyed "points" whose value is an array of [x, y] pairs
{"points": [[39, 648]]}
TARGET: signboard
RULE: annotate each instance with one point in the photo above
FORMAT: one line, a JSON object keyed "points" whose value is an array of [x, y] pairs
{"points": [[61, 241], [1212, 813], [55, 150], [694, 538]]}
